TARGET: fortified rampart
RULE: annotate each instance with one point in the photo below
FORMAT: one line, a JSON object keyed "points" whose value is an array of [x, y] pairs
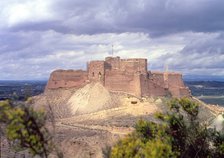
{"points": [[123, 75], [67, 79]]}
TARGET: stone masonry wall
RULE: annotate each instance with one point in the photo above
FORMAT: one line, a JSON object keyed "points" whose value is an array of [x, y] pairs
{"points": [[152, 87], [125, 75], [67, 79], [113, 63], [129, 65], [156, 90], [123, 82], [175, 85], [134, 65], [96, 71]]}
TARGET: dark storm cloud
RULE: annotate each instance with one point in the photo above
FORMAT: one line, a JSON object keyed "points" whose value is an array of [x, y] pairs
{"points": [[156, 17], [166, 16]]}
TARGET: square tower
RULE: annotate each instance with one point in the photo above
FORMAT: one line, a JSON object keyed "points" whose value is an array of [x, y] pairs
{"points": [[96, 71]]}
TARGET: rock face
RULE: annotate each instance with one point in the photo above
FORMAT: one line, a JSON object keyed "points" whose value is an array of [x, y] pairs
{"points": [[63, 103], [122, 75], [91, 98]]}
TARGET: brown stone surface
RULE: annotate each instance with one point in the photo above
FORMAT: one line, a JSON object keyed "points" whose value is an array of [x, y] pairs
{"points": [[67, 79], [116, 80], [122, 75], [96, 71]]}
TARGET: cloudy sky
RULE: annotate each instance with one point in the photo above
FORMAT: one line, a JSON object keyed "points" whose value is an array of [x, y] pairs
{"points": [[39, 36]]}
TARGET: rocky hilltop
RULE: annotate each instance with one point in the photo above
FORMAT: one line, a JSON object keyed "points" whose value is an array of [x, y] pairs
{"points": [[91, 119], [70, 102]]}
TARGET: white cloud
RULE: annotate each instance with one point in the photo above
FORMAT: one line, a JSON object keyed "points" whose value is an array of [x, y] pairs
{"points": [[51, 50], [16, 12]]}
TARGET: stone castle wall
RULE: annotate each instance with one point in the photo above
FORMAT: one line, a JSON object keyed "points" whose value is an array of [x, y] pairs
{"points": [[166, 83], [134, 65], [127, 65], [67, 79], [96, 71], [124, 75], [122, 81]]}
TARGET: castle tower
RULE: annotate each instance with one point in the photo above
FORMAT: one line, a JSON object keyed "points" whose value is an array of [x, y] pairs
{"points": [[96, 71]]}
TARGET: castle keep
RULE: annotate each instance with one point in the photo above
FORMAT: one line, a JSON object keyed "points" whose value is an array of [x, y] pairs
{"points": [[122, 75]]}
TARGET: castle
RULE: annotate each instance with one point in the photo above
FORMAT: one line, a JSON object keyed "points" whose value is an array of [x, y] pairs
{"points": [[122, 75]]}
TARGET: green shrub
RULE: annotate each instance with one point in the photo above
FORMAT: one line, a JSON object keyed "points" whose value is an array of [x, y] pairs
{"points": [[177, 136], [149, 140], [25, 128]]}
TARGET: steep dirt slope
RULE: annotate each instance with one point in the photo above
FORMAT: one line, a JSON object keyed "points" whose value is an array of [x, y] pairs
{"points": [[65, 103], [54, 102], [91, 98]]}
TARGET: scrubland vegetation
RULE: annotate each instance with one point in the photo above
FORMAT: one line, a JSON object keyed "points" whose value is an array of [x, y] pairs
{"points": [[176, 136], [25, 128]]}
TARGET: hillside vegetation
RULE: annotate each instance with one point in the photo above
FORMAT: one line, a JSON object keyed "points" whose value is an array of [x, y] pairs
{"points": [[177, 136]]}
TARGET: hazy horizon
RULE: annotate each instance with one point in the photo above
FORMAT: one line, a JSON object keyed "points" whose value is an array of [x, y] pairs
{"points": [[185, 78]]}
